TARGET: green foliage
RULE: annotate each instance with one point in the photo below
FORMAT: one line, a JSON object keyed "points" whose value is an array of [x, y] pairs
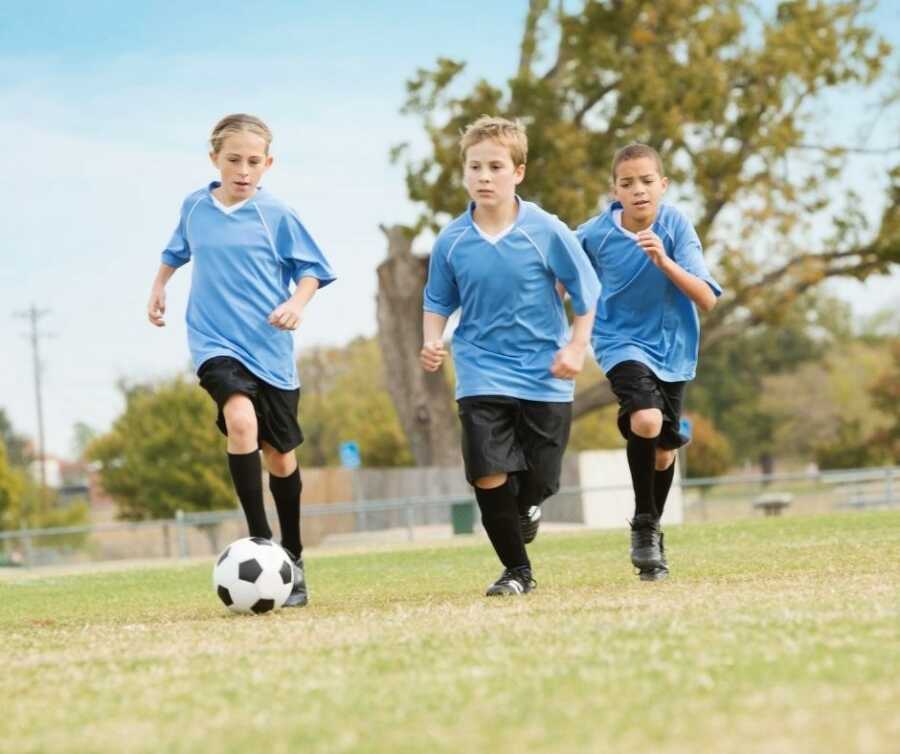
{"points": [[709, 453], [885, 393], [16, 445], [826, 409], [164, 453], [729, 387], [344, 399], [23, 504], [12, 482]]}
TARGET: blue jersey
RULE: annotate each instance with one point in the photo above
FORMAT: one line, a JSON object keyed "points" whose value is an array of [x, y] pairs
{"points": [[244, 263], [512, 321], [642, 315]]}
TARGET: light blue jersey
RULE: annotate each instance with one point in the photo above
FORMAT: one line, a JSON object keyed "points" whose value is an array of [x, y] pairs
{"points": [[244, 263], [512, 321], [642, 315]]}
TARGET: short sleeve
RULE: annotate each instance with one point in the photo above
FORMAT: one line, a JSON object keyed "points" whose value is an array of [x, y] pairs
{"points": [[300, 253], [178, 250], [688, 253], [441, 290], [569, 262]]}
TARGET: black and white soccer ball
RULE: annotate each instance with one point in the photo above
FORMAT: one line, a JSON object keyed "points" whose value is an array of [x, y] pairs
{"points": [[253, 575]]}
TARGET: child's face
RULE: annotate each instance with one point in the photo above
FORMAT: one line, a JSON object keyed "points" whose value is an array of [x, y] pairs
{"points": [[241, 161], [639, 187], [489, 174]]}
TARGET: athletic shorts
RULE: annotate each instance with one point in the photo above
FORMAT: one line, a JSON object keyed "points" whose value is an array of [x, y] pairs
{"points": [[524, 439], [637, 387], [276, 409]]}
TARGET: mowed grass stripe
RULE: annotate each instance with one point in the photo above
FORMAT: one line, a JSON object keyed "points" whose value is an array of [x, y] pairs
{"points": [[772, 635]]}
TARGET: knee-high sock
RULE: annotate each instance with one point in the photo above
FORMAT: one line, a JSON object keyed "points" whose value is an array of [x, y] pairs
{"points": [[641, 453], [500, 517], [246, 473], [662, 482], [286, 491]]}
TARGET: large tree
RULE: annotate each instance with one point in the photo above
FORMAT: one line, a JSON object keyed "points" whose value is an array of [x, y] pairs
{"points": [[729, 92], [164, 453]]}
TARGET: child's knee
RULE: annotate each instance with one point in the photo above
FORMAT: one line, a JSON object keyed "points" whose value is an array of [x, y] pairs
{"points": [[280, 464], [664, 459], [491, 482], [240, 416], [647, 422]]}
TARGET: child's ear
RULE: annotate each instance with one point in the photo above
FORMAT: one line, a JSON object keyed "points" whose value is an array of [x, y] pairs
{"points": [[664, 182]]}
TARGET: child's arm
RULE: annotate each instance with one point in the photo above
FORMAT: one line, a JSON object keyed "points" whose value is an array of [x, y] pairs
{"points": [[433, 352], [569, 359], [694, 288], [287, 316], [156, 307]]}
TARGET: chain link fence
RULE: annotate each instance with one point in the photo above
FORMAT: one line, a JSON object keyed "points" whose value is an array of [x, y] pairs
{"points": [[369, 522]]}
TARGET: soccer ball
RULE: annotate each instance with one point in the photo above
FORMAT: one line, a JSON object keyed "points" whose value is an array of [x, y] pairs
{"points": [[253, 575]]}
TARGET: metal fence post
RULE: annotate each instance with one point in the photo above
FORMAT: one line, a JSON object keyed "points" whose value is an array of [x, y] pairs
{"points": [[182, 534], [410, 520], [27, 549]]}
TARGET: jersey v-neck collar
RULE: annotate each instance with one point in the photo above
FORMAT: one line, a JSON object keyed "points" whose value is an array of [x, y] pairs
{"points": [[227, 209], [495, 239]]}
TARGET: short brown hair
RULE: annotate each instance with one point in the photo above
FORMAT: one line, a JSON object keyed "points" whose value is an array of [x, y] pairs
{"points": [[509, 133], [636, 151], [236, 123]]}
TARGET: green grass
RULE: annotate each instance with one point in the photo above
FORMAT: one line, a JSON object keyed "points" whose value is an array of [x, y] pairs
{"points": [[775, 635]]}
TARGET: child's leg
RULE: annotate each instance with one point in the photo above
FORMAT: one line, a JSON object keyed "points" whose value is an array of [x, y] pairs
{"points": [[543, 432], [662, 478], [500, 518], [645, 426], [286, 487], [244, 462]]}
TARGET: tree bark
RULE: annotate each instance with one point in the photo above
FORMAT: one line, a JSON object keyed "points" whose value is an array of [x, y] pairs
{"points": [[423, 400]]}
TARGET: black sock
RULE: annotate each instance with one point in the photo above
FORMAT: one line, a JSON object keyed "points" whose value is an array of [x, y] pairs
{"points": [[286, 491], [500, 517], [246, 473], [641, 453], [662, 481]]}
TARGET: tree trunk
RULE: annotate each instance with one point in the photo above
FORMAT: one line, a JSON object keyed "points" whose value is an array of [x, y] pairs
{"points": [[424, 400]]}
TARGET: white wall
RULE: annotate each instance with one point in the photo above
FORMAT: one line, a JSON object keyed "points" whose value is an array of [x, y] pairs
{"points": [[612, 506]]}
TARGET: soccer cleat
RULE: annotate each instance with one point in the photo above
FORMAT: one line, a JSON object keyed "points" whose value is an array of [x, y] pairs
{"points": [[516, 580], [299, 595], [645, 550], [530, 522], [661, 571]]}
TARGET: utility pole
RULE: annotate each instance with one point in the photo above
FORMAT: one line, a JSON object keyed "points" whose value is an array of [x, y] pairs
{"points": [[33, 315]]}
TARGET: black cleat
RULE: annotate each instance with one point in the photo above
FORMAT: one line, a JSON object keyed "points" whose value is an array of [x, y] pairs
{"points": [[645, 550], [299, 596], [512, 581], [530, 522], [661, 571]]}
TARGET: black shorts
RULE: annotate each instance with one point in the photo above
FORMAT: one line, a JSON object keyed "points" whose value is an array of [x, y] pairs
{"points": [[276, 410], [637, 387], [525, 439]]}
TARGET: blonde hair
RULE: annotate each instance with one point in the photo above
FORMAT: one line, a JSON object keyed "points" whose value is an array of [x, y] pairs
{"points": [[236, 123], [511, 134], [636, 151]]}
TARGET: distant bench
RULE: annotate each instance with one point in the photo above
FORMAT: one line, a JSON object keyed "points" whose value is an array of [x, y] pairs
{"points": [[773, 503]]}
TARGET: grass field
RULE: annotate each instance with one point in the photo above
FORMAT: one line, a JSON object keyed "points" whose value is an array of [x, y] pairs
{"points": [[774, 635]]}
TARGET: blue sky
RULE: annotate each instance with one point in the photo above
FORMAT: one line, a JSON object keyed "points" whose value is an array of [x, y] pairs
{"points": [[105, 108]]}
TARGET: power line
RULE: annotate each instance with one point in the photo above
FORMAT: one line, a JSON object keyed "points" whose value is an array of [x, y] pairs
{"points": [[34, 315]]}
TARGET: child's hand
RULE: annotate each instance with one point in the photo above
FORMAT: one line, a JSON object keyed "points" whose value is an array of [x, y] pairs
{"points": [[287, 316], [652, 246], [432, 355], [568, 362], [156, 307]]}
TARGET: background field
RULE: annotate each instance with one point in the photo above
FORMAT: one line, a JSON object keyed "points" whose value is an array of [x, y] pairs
{"points": [[776, 635]]}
